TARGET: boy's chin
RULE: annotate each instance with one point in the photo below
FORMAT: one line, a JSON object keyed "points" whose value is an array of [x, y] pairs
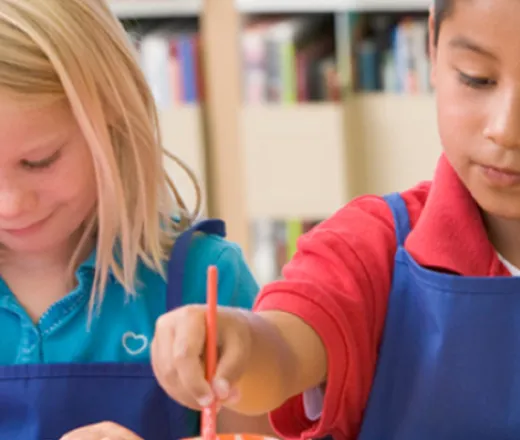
{"points": [[499, 204]]}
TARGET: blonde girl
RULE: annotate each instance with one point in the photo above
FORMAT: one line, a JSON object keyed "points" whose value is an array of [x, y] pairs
{"points": [[91, 230]]}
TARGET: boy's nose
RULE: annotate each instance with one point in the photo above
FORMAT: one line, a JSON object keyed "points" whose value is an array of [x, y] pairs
{"points": [[503, 127]]}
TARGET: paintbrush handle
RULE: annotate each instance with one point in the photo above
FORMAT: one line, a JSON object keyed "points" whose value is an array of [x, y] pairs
{"points": [[209, 415]]}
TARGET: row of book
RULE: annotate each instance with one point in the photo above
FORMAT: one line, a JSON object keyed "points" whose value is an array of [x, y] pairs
{"points": [[170, 56], [274, 244], [290, 59], [319, 58], [390, 53]]}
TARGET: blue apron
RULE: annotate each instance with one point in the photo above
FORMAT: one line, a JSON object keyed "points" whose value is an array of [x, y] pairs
{"points": [[43, 402], [449, 361]]}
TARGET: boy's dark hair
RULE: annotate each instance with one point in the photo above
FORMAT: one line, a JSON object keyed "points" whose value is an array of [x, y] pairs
{"points": [[441, 9]]}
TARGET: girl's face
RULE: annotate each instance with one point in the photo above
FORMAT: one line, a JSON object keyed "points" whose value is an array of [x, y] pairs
{"points": [[476, 74], [47, 181]]}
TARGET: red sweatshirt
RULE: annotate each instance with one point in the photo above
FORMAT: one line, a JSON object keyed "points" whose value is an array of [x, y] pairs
{"points": [[339, 282]]}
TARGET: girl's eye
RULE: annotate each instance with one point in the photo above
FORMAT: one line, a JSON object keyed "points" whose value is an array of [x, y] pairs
{"points": [[474, 81], [43, 163]]}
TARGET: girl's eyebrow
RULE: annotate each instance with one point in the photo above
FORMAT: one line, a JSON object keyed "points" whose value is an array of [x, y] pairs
{"points": [[465, 43], [46, 144]]}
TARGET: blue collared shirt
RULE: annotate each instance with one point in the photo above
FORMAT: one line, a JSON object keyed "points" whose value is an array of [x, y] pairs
{"points": [[123, 330]]}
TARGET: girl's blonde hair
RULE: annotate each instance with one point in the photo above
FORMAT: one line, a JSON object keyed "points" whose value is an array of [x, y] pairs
{"points": [[78, 51]]}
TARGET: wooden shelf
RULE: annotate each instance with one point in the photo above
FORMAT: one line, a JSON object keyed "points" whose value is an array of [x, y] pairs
{"points": [[280, 6], [175, 8], [294, 160], [155, 8], [182, 135], [308, 160], [392, 142]]}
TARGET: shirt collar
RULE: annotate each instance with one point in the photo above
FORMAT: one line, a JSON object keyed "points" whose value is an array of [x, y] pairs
{"points": [[88, 267], [450, 235]]}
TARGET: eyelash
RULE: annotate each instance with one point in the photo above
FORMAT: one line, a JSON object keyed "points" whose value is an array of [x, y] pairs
{"points": [[42, 164], [475, 82]]}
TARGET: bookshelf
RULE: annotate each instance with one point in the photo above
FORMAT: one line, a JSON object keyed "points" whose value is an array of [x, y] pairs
{"points": [[171, 8], [401, 152], [227, 196], [288, 160], [294, 160], [125, 9], [296, 157], [182, 135], [279, 6]]}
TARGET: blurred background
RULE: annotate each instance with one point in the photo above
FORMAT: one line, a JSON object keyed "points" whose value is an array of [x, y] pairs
{"points": [[287, 109]]}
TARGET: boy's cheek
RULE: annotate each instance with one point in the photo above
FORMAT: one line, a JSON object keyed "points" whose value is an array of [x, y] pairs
{"points": [[433, 75], [432, 49]]}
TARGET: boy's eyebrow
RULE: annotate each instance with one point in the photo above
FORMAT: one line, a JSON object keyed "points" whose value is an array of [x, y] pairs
{"points": [[462, 42]]}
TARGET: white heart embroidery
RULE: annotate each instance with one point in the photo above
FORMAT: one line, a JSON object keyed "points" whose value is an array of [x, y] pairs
{"points": [[134, 344]]}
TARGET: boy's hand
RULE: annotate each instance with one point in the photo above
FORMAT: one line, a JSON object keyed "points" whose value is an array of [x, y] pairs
{"points": [[101, 431], [178, 350]]}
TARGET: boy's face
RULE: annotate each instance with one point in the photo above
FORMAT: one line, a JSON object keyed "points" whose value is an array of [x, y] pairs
{"points": [[476, 74], [47, 182]]}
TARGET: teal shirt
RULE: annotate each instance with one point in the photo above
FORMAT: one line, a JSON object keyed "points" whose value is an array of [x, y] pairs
{"points": [[123, 330]]}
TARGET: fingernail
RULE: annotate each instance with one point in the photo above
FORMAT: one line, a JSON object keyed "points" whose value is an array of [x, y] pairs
{"points": [[221, 388], [234, 396], [205, 401]]}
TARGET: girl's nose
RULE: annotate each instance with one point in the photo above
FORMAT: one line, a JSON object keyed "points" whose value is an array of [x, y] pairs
{"points": [[15, 203]]}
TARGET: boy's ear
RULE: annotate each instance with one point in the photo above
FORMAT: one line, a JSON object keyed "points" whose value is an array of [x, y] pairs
{"points": [[432, 47]]}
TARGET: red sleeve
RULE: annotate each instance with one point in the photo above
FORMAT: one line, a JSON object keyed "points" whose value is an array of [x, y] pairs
{"points": [[338, 282]]}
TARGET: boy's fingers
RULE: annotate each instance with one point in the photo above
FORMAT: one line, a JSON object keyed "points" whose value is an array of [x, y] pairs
{"points": [[188, 350], [231, 363], [169, 380], [176, 353], [163, 366], [162, 357], [178, 350], [191, 376]]}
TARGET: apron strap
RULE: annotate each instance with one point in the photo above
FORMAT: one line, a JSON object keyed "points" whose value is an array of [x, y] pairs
{"points": [[179, 255], [401, 217]]}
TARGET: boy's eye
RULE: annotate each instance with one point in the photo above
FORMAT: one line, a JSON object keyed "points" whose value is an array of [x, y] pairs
{"points": [[475, 81], [43, 163]]}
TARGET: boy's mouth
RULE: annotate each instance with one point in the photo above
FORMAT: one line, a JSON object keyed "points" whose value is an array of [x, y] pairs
{"points": [[501, 176]]}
